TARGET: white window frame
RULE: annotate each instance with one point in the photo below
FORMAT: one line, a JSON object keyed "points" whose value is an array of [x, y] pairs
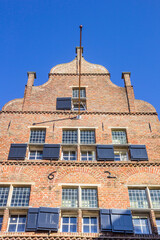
{"points": [[77, 88], [37, 129], [89, 223], [10, 194], [93, 155], [148, 197], [79, 199], [68, 150], [139, 216], [35, 150], [120, 151], [116, 142], [79, 135], [69, 216], [18, 220]]}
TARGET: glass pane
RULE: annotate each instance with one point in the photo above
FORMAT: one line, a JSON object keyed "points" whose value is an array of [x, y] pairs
{"points": [[65, 228], [119, 137], [86, 220], [14, 219], [138, 198], [155, 198], [69, 197], [69, 136], [89, 197], [73, 228], [39, 154], [87, 136], [12, 228], [3, 196], [73, 220], [65, 220], [93, 229], [93, 220], [86, 229], [32, 155], [37, 136], [20, 196], [1, 219], [22, 219], [21, 228]]}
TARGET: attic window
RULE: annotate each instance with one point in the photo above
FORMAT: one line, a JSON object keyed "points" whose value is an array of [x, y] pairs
{"points": [[75, 99]]}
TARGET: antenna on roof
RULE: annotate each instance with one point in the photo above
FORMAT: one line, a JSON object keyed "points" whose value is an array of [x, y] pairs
{"points": [[79, 105]]}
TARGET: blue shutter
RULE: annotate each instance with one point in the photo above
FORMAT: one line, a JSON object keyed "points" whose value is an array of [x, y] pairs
{"points": [[138, 153], [121, 221], [32, 217], [105, 219], [63, 103], [105, 152], [48, 219], [17, 151], [51, 151]]}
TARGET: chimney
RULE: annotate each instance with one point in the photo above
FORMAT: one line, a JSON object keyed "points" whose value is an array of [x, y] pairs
{"points": [[28, 90], [31, 77], [129, 91]]}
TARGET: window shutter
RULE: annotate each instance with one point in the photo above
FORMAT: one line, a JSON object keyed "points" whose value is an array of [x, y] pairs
{"points": [[105, 219], [51, 151], [105, 152], [138, 153], [63, 103], [48, 219], [31, 225], [121, 221], [17, 151]]}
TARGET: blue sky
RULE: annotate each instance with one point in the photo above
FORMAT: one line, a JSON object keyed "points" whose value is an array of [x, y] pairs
{"points": [[122, 35]]}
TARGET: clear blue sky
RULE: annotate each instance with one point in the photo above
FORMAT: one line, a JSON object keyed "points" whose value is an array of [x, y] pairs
{"points": [[122, 35]]}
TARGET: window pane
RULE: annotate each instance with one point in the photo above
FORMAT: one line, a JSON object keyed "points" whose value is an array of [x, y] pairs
{"points": [[86, 220], [37, 136], [3, 196], [20, 196], [65, 228], [155, 198], [138, 198], [119, 137], [82, 106], [13, 219], [87, 136], [93, 220], [93, 229], [69, 155], [70, 197], [75, 93], [86, 229], [65, 220], [73, 228], [87, 156], [69, 136], [12, 228], [73, 220], [158, 224], [21, 228], [141, 226], [120, 156], [22, 219], [89, 197], [1, 221]]}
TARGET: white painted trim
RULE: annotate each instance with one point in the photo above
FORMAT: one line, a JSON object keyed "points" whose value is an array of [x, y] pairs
{"points": [[79, 185], [17, 183], [78, 86], [118, 127], [81, 128], [38, 126]]}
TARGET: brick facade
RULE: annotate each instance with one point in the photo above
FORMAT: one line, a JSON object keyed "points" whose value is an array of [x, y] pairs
{"points": [[108, 108]]}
